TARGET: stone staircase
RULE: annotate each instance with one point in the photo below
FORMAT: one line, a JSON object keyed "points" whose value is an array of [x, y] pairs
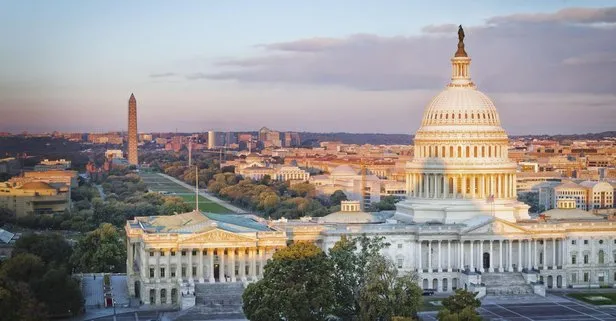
{"points": [[215, 301], [506, 283]]}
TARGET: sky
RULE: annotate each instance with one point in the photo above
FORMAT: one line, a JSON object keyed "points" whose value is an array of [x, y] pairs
{"points": [[320, 66]]}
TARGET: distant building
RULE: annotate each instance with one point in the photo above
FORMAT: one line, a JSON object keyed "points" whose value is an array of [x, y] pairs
{"points": [[211, 139], [34, 198], [291, 139], [113, 153], [10, 165], [269, 138], [132, 130], [48, 165]]}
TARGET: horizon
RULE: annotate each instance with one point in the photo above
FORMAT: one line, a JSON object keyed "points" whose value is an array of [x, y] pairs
{"points": [[547, 66]]}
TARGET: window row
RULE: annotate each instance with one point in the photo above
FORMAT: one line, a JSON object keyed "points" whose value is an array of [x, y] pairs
{"points": [[462, 152]]}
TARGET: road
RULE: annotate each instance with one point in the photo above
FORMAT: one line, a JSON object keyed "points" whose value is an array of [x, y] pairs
{"points": [[207, 195]]}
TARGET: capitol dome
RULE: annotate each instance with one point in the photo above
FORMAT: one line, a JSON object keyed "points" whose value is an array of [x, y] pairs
{"points": [[460, 167]]}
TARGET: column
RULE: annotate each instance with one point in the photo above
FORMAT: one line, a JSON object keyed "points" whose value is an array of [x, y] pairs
{"points": [[520, 265], [492, 191], [221, 265], [437, 186], [440, 254], [461, 258], [481, 256], [445, 186], [545, 254], [426, 182], [455, 186], [530, 266], [473, 186], [190, 264], [210, 254], [242, 262], [464, 186], [448, 256], [253, 264], [554, 265], [491, 268], [232, 264], [261, 261], [535, 254], [430, 256], [500, 256], [200, 266], [419, 255], [472, 261], [510, 250]]}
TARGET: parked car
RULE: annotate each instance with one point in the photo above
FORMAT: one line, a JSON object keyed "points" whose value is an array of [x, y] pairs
{"points": [[427, 292]]}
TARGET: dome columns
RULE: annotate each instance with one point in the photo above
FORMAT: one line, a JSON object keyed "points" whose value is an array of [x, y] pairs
{"points": [[461, 186]]}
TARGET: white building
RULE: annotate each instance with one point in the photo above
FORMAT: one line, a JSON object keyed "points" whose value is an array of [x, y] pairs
{"points": [[211, 139], [460, 226]]}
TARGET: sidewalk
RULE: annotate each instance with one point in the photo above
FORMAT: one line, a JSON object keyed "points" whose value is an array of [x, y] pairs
{"points": [[207, 195]]}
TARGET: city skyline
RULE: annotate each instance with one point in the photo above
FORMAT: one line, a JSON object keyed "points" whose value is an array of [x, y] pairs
{"points": [[548, 66]]}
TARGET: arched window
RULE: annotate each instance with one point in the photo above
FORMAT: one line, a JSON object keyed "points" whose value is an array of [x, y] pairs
{"points": [[465, 116], [468, 152], [475, 151], [459, 116], [472, 116], [483, 151], [443, 151], [446, 116], [460, 151], [451, 151], [484, 115], [489, 151]]}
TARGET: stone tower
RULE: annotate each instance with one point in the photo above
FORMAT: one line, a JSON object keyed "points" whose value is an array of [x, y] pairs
{"points": [[132, 130]]}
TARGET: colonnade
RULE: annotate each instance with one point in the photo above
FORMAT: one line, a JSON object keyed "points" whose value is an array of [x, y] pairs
{"points": [[500, 255], [468, 151], [205, 264], [425, 185]]}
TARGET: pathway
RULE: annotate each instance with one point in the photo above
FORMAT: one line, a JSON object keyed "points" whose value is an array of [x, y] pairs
{"points": [[207, 195], [100, 191]]}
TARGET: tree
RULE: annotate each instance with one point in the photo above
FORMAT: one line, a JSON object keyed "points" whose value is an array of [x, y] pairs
{"points": [[296, 285], [60, 293], [350, 258], [22, 268], [52, 248], [461, 306], [101, 250], [337, 197], [387, 293], [18, 303]]}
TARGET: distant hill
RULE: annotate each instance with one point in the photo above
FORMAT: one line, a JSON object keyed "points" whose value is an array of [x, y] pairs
{"points": [[591, 136], [313, 139]]}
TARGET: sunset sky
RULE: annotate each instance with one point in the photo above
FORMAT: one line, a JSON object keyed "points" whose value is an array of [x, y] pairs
{"points": [[322, 66]]}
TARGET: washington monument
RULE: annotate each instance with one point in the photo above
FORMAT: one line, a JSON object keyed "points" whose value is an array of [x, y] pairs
{"points": [[132, 130]]}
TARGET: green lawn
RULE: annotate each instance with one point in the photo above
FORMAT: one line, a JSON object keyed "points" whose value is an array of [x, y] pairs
{"points": [[595, 298], [205, 205], [428, 306], [158, 183]]}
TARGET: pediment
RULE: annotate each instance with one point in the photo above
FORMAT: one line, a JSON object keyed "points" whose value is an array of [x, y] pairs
{"points": [[218, 236], [496, 227]]}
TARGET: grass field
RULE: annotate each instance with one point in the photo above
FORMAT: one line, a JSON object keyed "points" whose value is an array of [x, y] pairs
{"points": [[595, 298], [205, 205], [158, 183]]}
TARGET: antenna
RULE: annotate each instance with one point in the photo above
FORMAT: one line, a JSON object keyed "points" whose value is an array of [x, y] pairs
{"points": [[189, 152], [196, 188], [363, 185]]}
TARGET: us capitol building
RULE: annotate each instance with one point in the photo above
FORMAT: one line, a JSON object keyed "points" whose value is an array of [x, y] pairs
{"points": [[460, 226]]}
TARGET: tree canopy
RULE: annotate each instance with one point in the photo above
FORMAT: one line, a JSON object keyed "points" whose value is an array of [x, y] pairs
{"points": [[296, 285], [101, 250], [461, 306]]}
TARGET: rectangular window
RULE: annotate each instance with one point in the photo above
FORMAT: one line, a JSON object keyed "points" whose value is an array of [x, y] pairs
{"points": [[194, 271], [162, 272], [162, 253], [151, 272], [573, 259], [586, 277], [573, 242], [585, 242], [183, 271], [585, 258], [574, 278], [399, 263], [151, 253], [183, 253], [194, 253], [172, 253], [172, 273], [399, 245]]}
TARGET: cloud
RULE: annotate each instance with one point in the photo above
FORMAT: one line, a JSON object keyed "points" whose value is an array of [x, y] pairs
{"points": [[445, 28], [559, 52], [163, 75], [567, 15]]}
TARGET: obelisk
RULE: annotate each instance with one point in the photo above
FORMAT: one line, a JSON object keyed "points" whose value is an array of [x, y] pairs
{"points": [[132, 130]]}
